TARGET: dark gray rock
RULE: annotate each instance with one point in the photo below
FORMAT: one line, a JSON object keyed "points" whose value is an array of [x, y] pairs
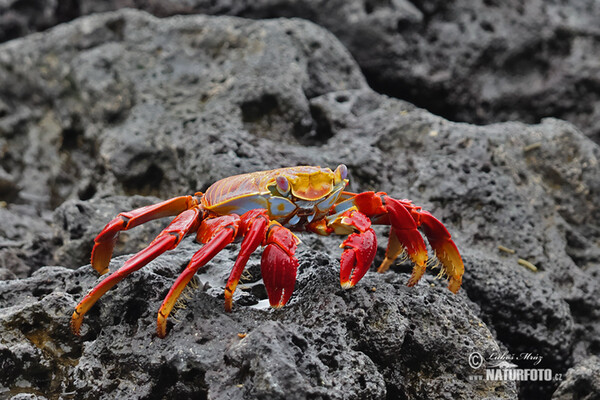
{"points": [[523, 187], [380, 339], [18, 18], [478, 62], [26, 240], [582, 382], [122, 104], [103, 90]]}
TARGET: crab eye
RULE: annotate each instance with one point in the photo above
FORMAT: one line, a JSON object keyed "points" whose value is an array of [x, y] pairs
{"points": [[341, 171], [283, 186]]}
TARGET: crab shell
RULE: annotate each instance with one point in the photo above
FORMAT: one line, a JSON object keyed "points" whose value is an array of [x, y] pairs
{"points": [[292, 196]]}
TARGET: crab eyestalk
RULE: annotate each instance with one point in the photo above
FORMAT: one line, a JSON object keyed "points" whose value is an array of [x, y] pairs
{"points": [[283, 186], [341, 172]]}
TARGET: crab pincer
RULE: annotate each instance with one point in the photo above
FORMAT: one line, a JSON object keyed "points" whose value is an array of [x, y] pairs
{"points": [[278, 265], [358, 255]]}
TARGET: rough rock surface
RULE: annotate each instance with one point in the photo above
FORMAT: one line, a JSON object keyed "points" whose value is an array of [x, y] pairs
{"points": [[357, 344], [582, 382], [122, 104], [476, 61]]}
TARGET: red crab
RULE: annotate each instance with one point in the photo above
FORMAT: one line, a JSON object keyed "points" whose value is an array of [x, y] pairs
{"points": [[264, 208]]}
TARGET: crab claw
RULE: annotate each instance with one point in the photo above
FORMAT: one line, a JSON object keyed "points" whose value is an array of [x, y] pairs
{"points": [[278, 265], [406, 231], [360, 249], [444, 248]]}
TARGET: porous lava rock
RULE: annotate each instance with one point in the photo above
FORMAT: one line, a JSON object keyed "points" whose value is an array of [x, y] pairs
{"points": [[113, 111], [475, 61]]}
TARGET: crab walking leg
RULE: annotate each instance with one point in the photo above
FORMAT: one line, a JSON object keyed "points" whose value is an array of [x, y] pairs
{"points": [[224, 230], [278, 264], [394, 249], [105, 241], [404, 235], [168, 239], [257, 222], [444, 247]]}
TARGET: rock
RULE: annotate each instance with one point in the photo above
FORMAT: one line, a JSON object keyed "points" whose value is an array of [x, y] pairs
{"points": [[529, 318], [26, 240], [255, 78], [66, 142], [120, 109], [581, 382], [486, 182], [478, 62], [19, 18], [381, 338]]}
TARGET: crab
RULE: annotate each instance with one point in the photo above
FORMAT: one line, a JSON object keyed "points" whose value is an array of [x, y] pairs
{"points": [[264, 208]]}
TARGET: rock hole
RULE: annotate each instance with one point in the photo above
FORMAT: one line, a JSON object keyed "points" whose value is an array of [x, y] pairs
{"points": [[40, 292], [342, 98], [87, 192], [134, 310], [300, 342], [72, 137], [145, 184], [255, 110], [259, 291], [117, 26], [322, 124], [487, 26]]}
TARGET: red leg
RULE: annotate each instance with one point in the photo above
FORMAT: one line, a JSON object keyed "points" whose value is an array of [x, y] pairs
{"points": [[223, 231], [105, 241], [444, 248], [404, 236], [278, 264], [168, 239], [256, 223]]}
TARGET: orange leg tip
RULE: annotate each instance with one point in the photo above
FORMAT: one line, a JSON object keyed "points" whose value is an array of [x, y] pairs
{"points": [[418, 256], [450, 258], [101, 254], [454, 285], [76, 321], [228, 302], [385, 265], [417, 273], [347, 285], [161, 326]]}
